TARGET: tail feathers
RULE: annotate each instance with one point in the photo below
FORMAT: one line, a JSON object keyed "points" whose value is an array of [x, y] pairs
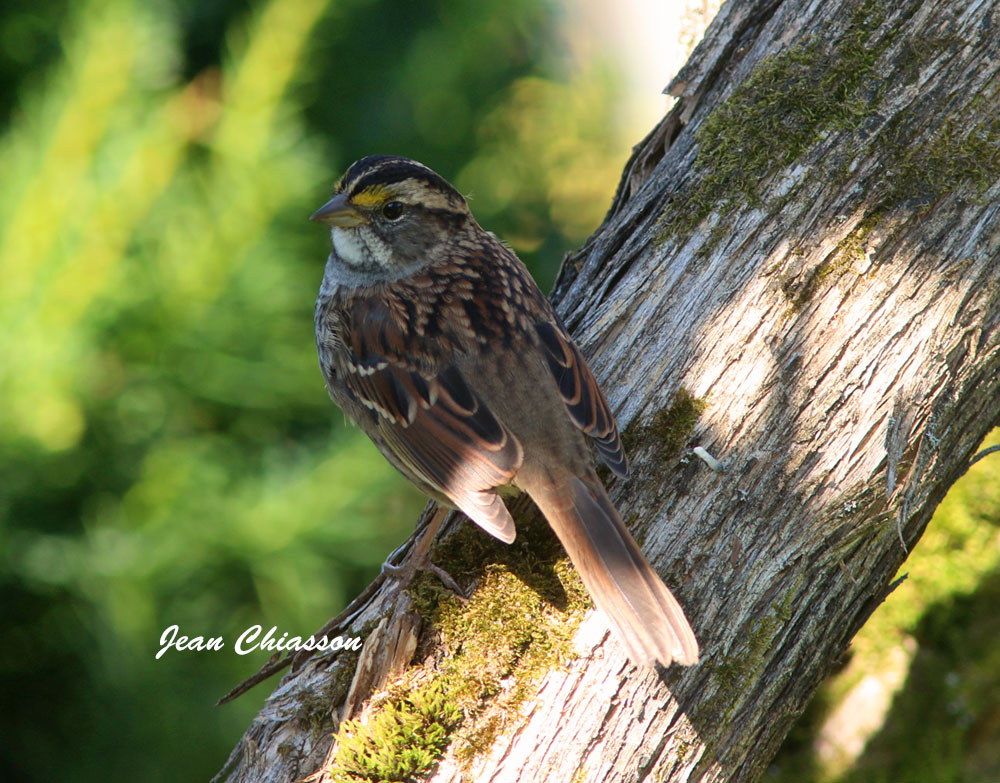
{"points": [[642, 612]]}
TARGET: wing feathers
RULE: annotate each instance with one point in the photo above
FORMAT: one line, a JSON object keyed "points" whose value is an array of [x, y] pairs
{"points": [[584, 399], [441, 432]]}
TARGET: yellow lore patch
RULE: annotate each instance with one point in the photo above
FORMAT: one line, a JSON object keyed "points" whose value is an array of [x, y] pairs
{"points": [[371, 196]]}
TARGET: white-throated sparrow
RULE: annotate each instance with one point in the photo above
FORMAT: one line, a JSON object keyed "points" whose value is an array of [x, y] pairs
{"points": [[435, 340]]}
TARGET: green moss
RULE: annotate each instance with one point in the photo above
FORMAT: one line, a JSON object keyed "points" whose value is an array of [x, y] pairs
{"points": [[639, 529], [469, 552], [668, 430], [315, 712], [853, 247], [491, 649], [405, 737], [731, 671], [776, 114], [508, 621], [850, 250], [500, 643], [964, 151], [919, 50], [826, 83], [426, 591], [799, 293]]}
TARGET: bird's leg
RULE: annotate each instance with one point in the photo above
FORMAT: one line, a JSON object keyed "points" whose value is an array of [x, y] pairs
{"points": [[419, 557]]}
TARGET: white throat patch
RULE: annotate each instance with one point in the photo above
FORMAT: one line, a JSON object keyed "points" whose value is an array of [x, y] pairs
{"points": [[349, 247], [361, 247]]}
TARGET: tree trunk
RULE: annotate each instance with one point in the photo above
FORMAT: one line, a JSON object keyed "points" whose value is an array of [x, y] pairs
{"points": [[800, 274]]}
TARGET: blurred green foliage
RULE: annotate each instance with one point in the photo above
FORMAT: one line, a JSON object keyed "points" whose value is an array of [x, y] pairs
{"points": [[168, 451]]}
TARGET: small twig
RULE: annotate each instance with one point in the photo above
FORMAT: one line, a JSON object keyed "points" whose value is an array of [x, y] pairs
{"points": [[267, 670], [984, 453], [981, 454]]}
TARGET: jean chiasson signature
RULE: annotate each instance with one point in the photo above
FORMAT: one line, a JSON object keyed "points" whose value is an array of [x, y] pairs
{"points": [[252, 639]]}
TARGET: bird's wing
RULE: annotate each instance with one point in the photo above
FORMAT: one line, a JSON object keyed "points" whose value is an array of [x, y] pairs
{"points": [[427, 414], [584, 399]]}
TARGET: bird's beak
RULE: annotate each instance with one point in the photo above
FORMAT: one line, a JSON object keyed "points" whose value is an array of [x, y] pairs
{"points": [[338, 212]]}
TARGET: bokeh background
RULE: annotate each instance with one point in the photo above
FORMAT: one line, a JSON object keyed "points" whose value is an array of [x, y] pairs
{"points": [[168, 454]]}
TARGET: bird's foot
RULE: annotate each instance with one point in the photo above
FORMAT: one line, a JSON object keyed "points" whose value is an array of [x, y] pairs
{"points": [[419, 559], [405, 572]]}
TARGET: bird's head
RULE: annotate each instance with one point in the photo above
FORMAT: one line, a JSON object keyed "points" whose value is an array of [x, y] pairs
{"points": [[389, 216]]}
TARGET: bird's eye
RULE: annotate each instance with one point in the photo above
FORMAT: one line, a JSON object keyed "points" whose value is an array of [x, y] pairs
{"points": [[392, 210]]}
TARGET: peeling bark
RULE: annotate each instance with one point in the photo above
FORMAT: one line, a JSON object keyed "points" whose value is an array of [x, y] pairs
{"points": [[816, 277]]}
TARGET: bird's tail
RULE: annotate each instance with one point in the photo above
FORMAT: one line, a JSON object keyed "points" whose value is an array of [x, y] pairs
{"points": [[642, 612]]}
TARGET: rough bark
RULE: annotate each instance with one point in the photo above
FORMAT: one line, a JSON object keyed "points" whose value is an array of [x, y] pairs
{"points": [[800, 274]]}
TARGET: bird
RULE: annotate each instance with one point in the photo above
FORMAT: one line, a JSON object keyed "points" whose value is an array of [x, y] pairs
{"points": [[435, 340]]}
